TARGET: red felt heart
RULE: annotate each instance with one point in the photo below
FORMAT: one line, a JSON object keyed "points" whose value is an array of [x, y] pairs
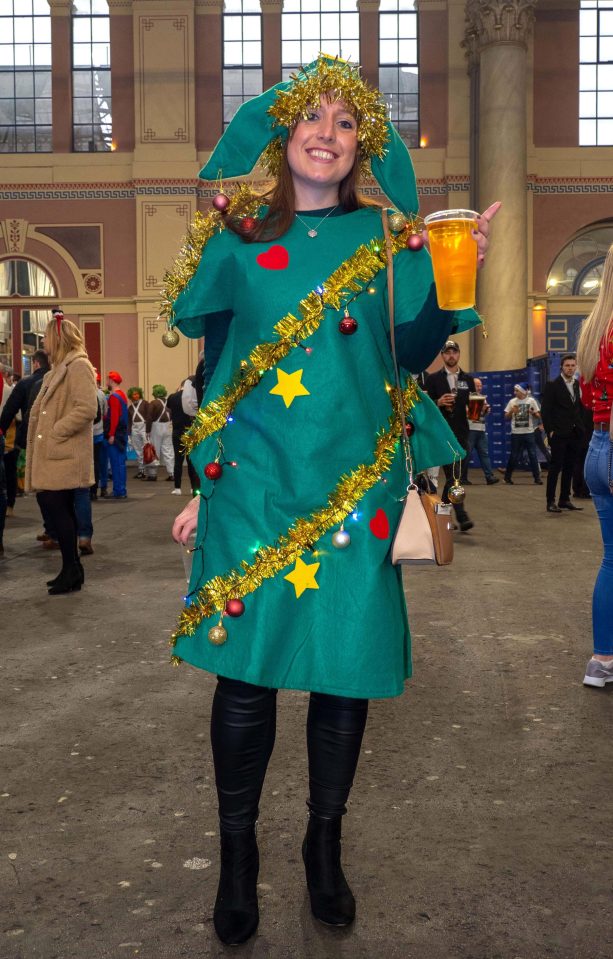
{"points": [[276, 258], [380, 525]]}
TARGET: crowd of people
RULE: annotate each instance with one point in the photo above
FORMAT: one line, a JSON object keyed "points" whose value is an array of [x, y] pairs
{"points": [[68, 477]]}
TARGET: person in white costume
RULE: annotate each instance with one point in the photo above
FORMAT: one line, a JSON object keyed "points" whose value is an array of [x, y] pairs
{"points": [[159, 427], [137, 411]]}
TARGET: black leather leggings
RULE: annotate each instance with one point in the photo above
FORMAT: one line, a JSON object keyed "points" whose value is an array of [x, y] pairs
{"points": [[243, 722]]}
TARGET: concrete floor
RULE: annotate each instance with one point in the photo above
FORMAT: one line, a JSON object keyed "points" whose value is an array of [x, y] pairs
{"points": [[481, 819]]}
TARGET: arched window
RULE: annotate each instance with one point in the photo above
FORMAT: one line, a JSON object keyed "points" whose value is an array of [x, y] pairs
{"points": [[92, 125], [25, 76], [398, 66], [242, 54], [310, 27], [596, 73], [577, 269], [22, 327]]}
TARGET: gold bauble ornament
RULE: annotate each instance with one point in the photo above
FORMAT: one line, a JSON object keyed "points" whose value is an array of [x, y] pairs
{"points": [[397, 222], [170, 337], [456, 494], [217, 635]]}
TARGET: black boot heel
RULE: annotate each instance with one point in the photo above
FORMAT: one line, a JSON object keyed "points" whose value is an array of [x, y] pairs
{"points": [[236, 914], [69, 580], [332, 901], [57, 579]]}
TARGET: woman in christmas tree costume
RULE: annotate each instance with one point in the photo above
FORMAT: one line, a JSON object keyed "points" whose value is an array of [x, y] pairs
{"points": [[297, 450]]}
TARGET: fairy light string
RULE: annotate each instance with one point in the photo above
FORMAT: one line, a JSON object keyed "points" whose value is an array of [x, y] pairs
{"points": [[304, 532]]}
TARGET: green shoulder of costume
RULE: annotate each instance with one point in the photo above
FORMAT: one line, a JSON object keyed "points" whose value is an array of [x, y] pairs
{"points": [[204, 226]]}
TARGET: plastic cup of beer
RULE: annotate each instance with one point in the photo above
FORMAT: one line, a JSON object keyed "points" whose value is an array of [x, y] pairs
{"points": [[454, 257]]}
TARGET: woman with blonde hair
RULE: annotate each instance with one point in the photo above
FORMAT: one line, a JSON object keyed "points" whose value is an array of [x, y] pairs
{"points": [[59, 447], [595, 362]]}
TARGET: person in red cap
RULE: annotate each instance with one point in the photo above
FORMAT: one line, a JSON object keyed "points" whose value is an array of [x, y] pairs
{"points": [[116, 436]]}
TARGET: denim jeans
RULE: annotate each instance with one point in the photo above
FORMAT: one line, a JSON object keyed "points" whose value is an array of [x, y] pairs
{"points": [[477, 440], [519, 442], [598, 468]]}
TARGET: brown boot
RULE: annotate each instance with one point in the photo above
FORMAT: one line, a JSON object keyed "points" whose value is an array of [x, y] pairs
{"points": [[85, 547]]}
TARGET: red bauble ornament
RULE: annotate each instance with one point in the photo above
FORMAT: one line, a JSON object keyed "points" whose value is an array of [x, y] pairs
{"points": [[410, 428], [213, 471], [415, 242], [248, 224], [235, 607], [348, 325], [221, 202]]}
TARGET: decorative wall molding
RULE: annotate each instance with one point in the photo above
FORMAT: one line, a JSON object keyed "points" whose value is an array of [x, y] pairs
{"points": [[497, 21], [164, 40], [120, 7], [60, 8], [209, 7], [162, 224], [15, 234]]}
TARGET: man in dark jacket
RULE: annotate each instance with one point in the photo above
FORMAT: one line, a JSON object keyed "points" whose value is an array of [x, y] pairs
{"points": [[563, 422], [450, 388], [22, 398]]}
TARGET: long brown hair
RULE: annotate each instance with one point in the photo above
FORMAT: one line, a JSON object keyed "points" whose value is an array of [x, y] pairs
{"points": [[62, 338], [598, 324], [281, 202]]}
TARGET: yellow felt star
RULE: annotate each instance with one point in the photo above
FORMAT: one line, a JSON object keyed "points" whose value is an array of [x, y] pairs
{"points": [[303, 577], [289, 386]]}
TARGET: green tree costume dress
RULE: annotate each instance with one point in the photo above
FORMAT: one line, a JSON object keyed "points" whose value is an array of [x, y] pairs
{"points": [[302, 420]]}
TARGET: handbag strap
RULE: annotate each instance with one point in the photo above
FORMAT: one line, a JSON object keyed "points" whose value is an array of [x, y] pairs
{"points": [[390, 300]]}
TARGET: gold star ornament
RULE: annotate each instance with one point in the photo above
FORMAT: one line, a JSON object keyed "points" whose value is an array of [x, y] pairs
{"points": [[303, 577], [289, 386]]}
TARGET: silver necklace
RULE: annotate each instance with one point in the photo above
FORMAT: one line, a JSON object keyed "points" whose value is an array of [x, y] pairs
{"points": [[312, 232]]}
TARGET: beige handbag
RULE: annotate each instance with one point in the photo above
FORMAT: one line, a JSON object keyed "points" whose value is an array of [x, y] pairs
{"points": [[424, 533]]}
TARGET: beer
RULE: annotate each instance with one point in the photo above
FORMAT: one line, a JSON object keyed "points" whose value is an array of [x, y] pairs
{"points": [[474, 410], [454, 257]]}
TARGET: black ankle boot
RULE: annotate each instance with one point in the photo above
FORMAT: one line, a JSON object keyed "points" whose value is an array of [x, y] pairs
{"points": [[332, 901], [236, 913], [69, 580], [57, 579]]}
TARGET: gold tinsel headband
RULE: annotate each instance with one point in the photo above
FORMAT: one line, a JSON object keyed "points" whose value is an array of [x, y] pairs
{"points": [[338, 80]]}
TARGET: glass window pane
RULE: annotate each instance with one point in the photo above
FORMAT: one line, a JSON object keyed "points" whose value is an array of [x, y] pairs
{"points": [[42, 30], [252, 6], [81, 30], [252, 28], [407, 51], [291, 27], [587, 132], [24, 84], [587, 49], [291, 52], [101, 30], [606, 22], [310, 26], [587, 77], [23, 55], [388, 51], [388, 26], [6, 7], [42, 114], [605, 105], [100, 7], [605, 77], [82, 55], [7, 84], [82, 83], [587, 104], [41, 7], [42, 83], [606, 49], [7, 111], [24, 111], [605, 132], [83, 109], [232, 28], [407, 25], [330, 26], [7, 139], [310, 49], [351, 50], [350, 26], [252, 82], [233, 53], [7, 56], [24, 31], [24, 140], [101, 55], [252, 54], [42, 54]]}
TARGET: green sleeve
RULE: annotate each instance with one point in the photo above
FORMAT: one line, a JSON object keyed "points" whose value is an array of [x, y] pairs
{"points": [[421, 327], [210, 290]]}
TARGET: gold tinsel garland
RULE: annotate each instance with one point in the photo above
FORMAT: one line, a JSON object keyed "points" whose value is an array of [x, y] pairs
{"points": [[335, 79], [350, 277], [303, 533], [204, 225]]}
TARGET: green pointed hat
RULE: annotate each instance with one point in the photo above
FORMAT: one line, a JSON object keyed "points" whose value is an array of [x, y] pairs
{"points": [[261, 126]]}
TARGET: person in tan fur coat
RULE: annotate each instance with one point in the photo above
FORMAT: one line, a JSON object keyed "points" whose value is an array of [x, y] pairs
{"points": [[59, 448]]}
